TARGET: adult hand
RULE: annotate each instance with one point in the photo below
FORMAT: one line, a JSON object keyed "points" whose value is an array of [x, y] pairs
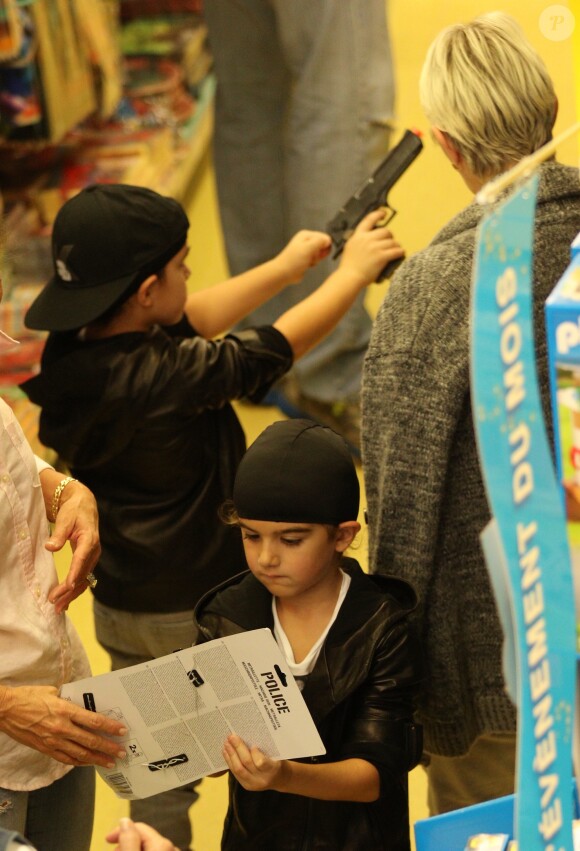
{"points": [[305, 249], [78, 522], [370, 248], [252, 769], [136, 836], [37, 717]]}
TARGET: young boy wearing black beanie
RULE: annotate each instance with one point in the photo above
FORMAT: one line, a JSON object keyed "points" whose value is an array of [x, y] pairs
{"points": [[346, 638]]}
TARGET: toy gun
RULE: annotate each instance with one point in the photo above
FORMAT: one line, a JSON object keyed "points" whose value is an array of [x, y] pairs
{"points": [[373, 194]]}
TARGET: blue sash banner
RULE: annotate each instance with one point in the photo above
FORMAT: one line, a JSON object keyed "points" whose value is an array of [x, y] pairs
{"points": [[526, 504]]}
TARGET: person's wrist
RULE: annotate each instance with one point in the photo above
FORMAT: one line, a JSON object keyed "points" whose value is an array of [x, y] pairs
{"points": [[57, 497], [350, 277], [283, 272], [283, 777]]}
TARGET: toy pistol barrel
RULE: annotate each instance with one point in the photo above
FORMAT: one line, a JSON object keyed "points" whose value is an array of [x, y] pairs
{"points": [[373, 193]]}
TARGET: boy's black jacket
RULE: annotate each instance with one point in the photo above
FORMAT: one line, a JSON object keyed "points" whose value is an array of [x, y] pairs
{"points": [[361, 695], [144, 420]]}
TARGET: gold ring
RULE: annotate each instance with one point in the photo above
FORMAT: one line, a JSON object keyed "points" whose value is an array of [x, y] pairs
{"points": [[91, 580]]}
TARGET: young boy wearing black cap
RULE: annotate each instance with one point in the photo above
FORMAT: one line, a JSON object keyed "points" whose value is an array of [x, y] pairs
{"points": [[346, 638], [135, 397]]}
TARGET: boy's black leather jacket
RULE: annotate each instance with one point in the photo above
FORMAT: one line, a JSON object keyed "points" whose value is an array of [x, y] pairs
{"points": [[361, 695], [144, 420]]}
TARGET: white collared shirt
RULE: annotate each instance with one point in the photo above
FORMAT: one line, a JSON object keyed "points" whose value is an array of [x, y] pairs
{"points": [[37, 646]]}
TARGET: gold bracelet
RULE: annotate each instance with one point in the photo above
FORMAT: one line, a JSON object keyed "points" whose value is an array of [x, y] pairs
{"points": [[55, 504]]}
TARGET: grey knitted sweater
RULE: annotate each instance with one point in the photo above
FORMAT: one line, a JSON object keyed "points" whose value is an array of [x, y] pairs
{"points": [[426, 500]]}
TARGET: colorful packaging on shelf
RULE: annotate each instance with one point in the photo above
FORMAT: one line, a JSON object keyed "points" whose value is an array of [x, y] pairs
{"points": [[562, 313]]}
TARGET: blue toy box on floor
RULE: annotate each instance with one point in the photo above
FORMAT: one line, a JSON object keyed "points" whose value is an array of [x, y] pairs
{"points": [[450, 831]]}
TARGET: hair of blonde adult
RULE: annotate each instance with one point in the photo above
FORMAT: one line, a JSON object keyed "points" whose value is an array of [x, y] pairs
{"points": [[484, 85]]}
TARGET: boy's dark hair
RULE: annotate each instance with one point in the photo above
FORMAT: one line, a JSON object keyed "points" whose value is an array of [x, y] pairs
{"points": [[297, 471], [105, 242]]}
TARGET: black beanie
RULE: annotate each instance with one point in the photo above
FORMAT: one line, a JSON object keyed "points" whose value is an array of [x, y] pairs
{"points": [[297, 471]]}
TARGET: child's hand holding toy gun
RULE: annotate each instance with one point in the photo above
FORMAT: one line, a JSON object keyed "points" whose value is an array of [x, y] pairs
{"points": [[373, 194]]}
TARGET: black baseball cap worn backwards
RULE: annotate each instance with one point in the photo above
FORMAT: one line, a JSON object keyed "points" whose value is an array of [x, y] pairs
{"points": [[297, 471], [105, 240]]}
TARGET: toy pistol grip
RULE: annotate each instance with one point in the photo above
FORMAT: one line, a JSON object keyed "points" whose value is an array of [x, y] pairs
{"points": [[390, 269]]}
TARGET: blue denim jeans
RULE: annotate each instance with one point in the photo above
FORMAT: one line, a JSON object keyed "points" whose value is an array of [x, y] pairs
{"points": [[130, 638], [304, 90], [55, 817]]}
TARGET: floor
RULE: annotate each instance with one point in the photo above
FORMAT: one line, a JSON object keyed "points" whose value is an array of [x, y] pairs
{"points": [[421, 213]]}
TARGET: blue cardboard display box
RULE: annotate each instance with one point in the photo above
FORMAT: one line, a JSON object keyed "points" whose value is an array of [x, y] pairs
{"points": [[563, 332], [450, 831]]}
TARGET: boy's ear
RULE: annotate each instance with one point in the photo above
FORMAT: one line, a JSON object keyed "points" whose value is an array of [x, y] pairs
{"points": [[345, 535], [144, 294]]}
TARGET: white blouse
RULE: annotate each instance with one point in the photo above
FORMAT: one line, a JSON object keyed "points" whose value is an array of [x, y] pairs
{"points": [[37, 646]]}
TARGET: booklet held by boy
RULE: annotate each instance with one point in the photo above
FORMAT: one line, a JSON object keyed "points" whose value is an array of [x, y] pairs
{"points": [[179, 710]]}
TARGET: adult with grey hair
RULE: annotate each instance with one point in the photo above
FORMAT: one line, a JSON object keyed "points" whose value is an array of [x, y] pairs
{"points": [[490, 101]]}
